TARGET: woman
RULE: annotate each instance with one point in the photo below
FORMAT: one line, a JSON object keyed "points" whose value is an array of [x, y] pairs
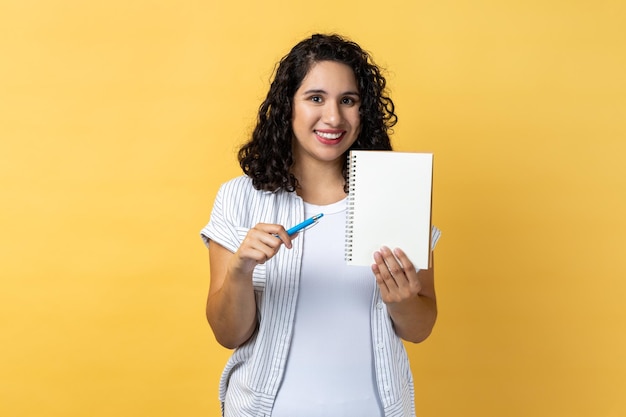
{"points": [[312, 336]]}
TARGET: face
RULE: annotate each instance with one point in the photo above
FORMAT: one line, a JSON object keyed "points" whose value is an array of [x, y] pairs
{"points": [[326, 120]]}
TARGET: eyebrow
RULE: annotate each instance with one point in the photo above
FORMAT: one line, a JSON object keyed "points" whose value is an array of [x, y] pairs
{"points": [[319, 91]]}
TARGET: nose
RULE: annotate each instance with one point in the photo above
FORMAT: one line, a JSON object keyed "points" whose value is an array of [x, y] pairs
{"points": [[332, 113]]}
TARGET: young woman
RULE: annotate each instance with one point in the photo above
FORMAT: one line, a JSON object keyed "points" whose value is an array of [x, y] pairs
{"points": [[312, 336]]}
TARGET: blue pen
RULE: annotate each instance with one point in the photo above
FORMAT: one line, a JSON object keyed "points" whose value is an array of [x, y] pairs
{"points": [[306, 223]]}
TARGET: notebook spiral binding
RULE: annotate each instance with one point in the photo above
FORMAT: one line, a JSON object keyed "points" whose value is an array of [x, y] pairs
{"points": [[350, 207]]}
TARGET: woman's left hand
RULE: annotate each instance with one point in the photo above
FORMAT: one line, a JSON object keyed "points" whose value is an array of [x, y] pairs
{"points": [[409, 294], [396, 276]]}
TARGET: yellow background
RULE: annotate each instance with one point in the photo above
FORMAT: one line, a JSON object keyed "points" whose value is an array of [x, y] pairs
{"points": [[119, 119]]}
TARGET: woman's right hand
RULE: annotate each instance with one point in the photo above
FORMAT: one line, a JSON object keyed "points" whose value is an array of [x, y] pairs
{"points": [[260, 245]]}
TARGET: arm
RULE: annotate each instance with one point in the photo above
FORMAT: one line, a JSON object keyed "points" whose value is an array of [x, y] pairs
{"points": [[408, 294], [231, 306]]}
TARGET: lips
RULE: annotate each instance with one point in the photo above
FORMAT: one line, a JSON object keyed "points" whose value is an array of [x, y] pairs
{"points": [[330, 137]]}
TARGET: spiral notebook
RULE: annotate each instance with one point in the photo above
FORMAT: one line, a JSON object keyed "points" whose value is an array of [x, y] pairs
{"points": [[389, 204]]}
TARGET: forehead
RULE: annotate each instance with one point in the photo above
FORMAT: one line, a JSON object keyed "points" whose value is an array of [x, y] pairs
{"points": [[330, 74]]}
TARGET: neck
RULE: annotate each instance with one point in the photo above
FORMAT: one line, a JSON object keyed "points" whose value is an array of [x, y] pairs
{"points": [[320, 185]]}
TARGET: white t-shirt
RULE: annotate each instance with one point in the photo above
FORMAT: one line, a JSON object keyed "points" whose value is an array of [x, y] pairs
{"points": [[330, 367]]}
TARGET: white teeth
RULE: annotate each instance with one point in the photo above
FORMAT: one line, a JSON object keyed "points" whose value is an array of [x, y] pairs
{"points": [[326, 135]]}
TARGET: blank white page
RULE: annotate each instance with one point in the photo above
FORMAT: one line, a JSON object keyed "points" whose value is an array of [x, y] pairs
{"points": [[389, 204]]}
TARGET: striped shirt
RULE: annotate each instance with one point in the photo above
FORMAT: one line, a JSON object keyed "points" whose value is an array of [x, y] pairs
{"points": [[253, 374]]}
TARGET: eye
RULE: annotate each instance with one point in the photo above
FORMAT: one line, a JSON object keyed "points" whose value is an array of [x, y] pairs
{"points": [[316, 99], [348, 101]]}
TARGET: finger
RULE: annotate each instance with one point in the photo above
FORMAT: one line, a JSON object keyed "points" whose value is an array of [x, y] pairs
{"points": [[410, 272], [403, 259], [393, 265], [276, 231], [403, 272], [247, 257], [257, 250], [382, 273], [380, 281], [284, 237], [272, 235], [261, 244]]}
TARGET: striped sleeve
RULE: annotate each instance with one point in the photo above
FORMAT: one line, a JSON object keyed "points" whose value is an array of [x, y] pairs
{"points": [[221, 227], [434, 237]]}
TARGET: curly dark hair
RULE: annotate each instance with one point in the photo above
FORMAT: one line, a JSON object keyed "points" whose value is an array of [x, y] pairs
{"points": [[267, 157]]}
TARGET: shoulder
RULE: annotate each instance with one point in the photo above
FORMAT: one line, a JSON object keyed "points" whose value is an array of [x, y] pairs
{"points": [[238, 195], [242, 189], [238, 205], [240, 182]]}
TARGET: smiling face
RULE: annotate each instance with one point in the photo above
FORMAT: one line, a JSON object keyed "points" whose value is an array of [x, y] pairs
{"points": [[326, 120]]}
